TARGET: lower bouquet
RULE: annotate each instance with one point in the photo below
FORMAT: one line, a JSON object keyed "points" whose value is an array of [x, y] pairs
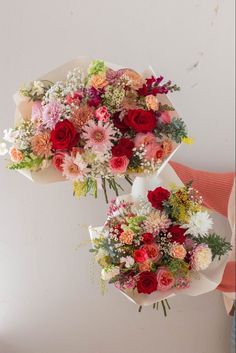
{"points": [[159, 245]]}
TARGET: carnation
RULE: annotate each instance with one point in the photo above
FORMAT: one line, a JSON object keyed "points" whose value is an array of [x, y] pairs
{"points": [[201, 257]]}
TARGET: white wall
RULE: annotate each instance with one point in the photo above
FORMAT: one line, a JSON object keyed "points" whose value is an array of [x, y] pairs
{"points": [[48, 303]]}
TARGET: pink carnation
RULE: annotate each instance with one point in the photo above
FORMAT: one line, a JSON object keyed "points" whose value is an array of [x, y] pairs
{"points": [[102, 114], [119, 164]]}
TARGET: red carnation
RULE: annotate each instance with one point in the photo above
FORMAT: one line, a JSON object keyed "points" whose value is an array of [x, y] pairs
{"points": [[147, 282], [140, 120], [157, 196], [148, 238], [177, 234], [64, 136], [123, 148]]}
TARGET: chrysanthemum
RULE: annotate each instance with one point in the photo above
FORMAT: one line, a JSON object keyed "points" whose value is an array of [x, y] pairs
{"points": [[199, 224], [74, 167], [98, 136], [81, 115], [156, 221], [52, 113], [41, 145], [201, 257]]}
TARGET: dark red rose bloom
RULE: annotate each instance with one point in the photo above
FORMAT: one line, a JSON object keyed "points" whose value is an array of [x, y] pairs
{"points": [[64, 136], [123, 148], [119, 124], [147, 282], [148, 238], [177, 234], [157, 196], [140, 120]]}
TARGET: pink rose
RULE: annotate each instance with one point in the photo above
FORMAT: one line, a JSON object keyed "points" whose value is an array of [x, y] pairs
{"points": [[165, 279], [144, 139], [58, 160], [102, 114], [140, 255], [165, 117], [119, 164], [154, 151], [153, 251]]}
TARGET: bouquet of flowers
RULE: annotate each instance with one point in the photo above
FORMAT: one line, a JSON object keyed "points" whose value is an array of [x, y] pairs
{"points": [[159, 245], [96, 124]]}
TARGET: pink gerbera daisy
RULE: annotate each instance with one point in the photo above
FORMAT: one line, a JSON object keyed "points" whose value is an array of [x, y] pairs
{"points": [[98, 136], [73, 167]]}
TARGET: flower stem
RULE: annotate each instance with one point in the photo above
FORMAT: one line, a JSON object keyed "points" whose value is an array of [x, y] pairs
{"points": [[167, 303], [127, 178], [164, 308], [104, 189], [140, 309]]}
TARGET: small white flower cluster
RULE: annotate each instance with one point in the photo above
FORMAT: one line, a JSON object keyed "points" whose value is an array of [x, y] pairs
{"points": [[142, 208], [55, 93], [22, 135], [74, 81]]}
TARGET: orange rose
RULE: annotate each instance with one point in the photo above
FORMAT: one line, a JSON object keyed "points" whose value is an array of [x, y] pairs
{"points": [[98, 81], [167, 147], [16, 155], [178, 251], [152, 102]]}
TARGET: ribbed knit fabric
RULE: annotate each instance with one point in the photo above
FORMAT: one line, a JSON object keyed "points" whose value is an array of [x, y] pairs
{"points": [[215, 188]]}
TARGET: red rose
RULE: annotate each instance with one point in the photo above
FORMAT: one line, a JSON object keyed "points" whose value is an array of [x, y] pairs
{"points": [[140, 120], [148, 238], [123, 148], [64, 136], [140, 255], [177, 234], [157, 196], [147, 282]]}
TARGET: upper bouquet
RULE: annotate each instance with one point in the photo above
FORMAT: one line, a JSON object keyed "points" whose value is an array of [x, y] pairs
{"points": [[159, 245], [95, 124]]}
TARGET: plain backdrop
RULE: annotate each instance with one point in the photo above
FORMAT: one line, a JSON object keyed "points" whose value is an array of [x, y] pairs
{"points": [[50, 300]]}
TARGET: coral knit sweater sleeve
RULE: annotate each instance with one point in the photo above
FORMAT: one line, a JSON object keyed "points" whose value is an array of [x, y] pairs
{"points": [[216, 189]]}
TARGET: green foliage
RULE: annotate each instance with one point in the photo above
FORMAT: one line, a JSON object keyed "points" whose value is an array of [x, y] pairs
{"points": [[134, 223], [30, 162], [97, 67], [218, 245], [84, 187], [178, 267], [176, 130]]}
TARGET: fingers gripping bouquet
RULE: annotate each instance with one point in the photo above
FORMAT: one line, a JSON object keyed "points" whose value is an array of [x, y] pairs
{"points": [[96, 123], [153, 247]]}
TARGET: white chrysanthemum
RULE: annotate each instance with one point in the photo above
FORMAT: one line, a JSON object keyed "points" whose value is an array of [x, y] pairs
{"points": [[199, 224], [3, 149], [129, 261], [201, 257], [108, 273]]}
